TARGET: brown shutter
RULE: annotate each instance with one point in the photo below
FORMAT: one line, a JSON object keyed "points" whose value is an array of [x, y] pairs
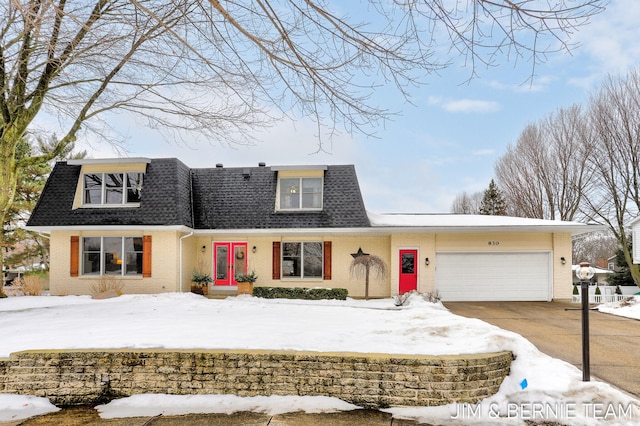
{"points": [[74, 269], [275, 264], [146, 256], [327, 260]]}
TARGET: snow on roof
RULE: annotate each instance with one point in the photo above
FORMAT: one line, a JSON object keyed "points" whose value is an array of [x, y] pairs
{"points": [[472, 222], [598, 270]]}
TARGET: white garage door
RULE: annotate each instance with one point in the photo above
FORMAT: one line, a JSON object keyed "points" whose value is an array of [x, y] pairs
{"points": [[493, 276]]}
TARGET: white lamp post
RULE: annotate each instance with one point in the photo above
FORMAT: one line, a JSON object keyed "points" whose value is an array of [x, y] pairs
{"points": [[584, 273]]}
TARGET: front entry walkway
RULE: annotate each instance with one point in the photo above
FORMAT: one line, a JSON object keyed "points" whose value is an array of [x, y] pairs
{"points": [[556, 331]]}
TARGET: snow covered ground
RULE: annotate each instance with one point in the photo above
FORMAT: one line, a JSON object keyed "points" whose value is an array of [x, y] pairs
{"points": [[538, 388]]}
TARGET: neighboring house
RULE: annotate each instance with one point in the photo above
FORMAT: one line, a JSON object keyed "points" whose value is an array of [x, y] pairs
{"points": [[150, 222], [635, 236]]}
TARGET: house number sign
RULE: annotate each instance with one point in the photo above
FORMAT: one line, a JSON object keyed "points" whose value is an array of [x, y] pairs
{"points": [[494, 243]]}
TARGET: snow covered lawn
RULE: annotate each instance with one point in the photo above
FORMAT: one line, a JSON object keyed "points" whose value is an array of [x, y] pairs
{"points": [[538, 387]]}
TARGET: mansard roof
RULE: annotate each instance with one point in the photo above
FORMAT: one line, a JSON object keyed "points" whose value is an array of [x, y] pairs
{"points": [[218, 198]]}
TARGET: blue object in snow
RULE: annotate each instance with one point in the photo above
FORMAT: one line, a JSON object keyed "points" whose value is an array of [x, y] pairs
{"points": [[524, 384]]}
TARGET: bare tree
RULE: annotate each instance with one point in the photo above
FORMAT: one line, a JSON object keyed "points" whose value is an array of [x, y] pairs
{"points": [[467, 203], [595, 248], [222, 67], [545, 174], [615, 198]]}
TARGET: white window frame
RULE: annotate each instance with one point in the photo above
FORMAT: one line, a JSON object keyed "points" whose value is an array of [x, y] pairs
{"points": [[103, 189], [102, 257], [283, 265], [282, 190]]}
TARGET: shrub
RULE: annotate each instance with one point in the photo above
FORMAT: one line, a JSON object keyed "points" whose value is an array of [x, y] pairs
{"points": [[105, 283], [401, 299], [598, 290], [575, 290], [432, 296], [31, 285], [300, 293]]}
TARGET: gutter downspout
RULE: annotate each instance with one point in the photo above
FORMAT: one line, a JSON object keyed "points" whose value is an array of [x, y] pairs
{"points": [[180, 258]]}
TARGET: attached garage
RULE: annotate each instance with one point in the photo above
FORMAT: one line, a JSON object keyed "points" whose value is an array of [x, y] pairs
{"points": [[495, 276]]}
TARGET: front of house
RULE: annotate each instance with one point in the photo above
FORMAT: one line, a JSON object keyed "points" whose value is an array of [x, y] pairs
{"points": [[152, 222]]}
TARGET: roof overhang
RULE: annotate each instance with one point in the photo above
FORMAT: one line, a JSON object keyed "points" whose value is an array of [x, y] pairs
{"points": [[460, 223], [127, 160], [380, 225], [309, 167], [129, 228]]}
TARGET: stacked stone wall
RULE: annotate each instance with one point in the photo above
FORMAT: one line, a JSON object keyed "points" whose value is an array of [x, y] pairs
{"points": [[370, 380]]}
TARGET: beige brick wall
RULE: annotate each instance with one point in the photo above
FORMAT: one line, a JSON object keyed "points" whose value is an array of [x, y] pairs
{"points": [[341, 247], [369, 380], [164, 264], [166, 255], [562, 274]]}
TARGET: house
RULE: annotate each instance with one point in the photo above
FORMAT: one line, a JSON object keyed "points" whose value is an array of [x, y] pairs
{"points": [[151, 222], [635, 237]]}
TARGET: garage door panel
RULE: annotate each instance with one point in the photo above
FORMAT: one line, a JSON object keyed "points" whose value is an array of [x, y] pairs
{"points": [[494, 276]]}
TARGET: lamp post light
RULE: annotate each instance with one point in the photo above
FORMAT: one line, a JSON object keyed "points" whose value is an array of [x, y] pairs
{"points": [[584, 273]]}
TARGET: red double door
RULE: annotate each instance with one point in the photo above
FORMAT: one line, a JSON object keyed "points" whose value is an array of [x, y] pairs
{"points": [[229, 260], [408, 270]]}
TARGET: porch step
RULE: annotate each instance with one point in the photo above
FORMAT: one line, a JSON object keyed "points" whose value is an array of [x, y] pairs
{"points": [[221, 294]]}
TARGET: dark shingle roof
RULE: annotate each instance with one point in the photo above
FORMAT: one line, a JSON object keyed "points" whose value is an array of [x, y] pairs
{"points": [[221, 198], [224, 198], [165, 199]]}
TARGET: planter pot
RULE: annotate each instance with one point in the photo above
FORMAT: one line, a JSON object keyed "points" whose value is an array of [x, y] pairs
{"points": [[245, 288], [196, 290]]}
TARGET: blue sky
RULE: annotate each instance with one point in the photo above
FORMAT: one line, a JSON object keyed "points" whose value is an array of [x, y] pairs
{"points": [[446, 142]]}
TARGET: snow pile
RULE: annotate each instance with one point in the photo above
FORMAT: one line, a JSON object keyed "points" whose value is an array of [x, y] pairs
{"points": [[628, 307], [18, 407], [175, 405], [538, 387]]}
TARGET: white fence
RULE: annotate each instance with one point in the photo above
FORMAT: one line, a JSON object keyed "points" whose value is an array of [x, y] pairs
{"points": [[600, 298], [608, 294]]}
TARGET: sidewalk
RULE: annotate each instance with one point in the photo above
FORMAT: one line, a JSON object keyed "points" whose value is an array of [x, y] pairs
{"points": [[77, 416]]}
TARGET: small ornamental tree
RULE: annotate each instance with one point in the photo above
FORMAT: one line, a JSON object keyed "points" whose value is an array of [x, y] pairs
{"points": [[363, 265]]}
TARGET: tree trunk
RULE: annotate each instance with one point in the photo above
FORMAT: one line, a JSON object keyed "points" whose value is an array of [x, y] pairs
{"points": [[8, 180], [366, 283]]}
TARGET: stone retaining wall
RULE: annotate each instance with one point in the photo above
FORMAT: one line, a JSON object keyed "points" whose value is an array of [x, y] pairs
{"points": [[370, 380]]}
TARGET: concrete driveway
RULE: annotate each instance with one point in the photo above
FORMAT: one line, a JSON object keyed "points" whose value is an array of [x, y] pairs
{"points": [[556, 331]]}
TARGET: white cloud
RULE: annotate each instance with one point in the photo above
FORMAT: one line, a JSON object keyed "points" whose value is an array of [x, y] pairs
{"points": [[535, 84], [610, 42], [465, 105]]}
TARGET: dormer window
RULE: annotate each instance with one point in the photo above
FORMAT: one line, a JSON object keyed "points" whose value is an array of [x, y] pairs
{"points": [[112, 188], [300, 188], [300, 193]]}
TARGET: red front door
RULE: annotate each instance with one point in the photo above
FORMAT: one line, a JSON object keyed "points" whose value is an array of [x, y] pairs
{"points": [[229, 260], [408, 271]]}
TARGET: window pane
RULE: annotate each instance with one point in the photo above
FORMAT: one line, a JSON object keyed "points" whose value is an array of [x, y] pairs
{"points": [[240, 263], [290, 193], [133, 251], [113, 188], [408, 263], [313, 260], [222, 263], [93, 189], [112, 255], [311, 193], [91, 255], [291, 260], [134, 187]]}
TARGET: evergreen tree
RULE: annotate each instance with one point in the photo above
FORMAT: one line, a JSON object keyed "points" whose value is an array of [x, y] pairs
{"points": [[22, 247], [493, 202], [622, 274]]}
